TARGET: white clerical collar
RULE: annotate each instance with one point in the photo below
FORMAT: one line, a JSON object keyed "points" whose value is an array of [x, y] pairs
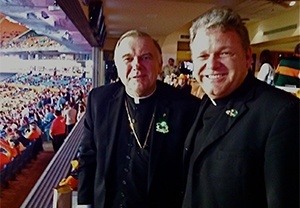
{"points": [[213, 102], [137, 99]]}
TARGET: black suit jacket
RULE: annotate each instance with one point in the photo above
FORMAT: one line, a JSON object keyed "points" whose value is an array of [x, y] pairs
{"points": [[250, 160], [101, 125]]}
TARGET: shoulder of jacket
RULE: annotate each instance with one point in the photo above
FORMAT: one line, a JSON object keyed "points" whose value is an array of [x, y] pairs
{"points": [[268, 93], [108, 88]]}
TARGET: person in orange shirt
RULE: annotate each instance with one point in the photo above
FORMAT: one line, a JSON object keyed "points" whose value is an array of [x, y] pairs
{"points": [[5, 149], [10, 151], [34, 132], [72, 179], [4, 158], [58, 130]]}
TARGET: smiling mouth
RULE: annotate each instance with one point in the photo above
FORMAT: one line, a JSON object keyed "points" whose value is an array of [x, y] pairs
{"points": [[215, 76]]}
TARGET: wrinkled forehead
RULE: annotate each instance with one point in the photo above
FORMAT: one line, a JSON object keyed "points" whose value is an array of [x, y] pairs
{"points": [[135, 44], [206, 36]]}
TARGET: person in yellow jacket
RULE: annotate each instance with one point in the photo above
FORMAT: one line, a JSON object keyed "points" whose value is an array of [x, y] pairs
{"points": [[72, 179]]}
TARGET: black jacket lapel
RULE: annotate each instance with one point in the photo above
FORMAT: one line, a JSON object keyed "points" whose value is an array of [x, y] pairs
{"points": [[189, 143], [157, 138], [228, 117], [114, 118]]}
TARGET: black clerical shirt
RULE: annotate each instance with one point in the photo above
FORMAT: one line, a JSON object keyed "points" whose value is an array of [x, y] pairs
{"points": [[128, 174]]}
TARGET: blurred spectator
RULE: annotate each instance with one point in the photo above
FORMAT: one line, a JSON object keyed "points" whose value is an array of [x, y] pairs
{"points": [[16, 144], [72, 179], [46, 123], [58, 130], [34, 132], [70, 114], [9, 133], [81, 111], [183, 84], [185, 67], [20, 137], [4, 157], [266, 71], [61, 101], [168, 69], [288, 70], [11, 151]]}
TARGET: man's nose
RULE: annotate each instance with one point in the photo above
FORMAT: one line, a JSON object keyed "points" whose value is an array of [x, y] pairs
{"points": [[212, 62], [135, 63]]}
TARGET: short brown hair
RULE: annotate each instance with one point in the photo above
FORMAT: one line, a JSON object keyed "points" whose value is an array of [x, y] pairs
{"points": [[225, 19], [136, 33]]}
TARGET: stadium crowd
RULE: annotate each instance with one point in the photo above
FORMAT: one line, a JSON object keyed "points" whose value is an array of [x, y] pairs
{"points": [[28, 104]]}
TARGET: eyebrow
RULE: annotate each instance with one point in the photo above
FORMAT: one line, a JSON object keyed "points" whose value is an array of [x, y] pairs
{"points": [[150, 54], [127, 54], [144, 54]]}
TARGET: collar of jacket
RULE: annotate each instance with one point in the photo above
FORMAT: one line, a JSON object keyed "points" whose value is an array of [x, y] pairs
{"points": [[236, 101]]}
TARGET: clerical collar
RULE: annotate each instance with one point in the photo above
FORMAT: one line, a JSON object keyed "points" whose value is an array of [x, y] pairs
{"points": [[137, 99], [220, 101], [213, 102]]}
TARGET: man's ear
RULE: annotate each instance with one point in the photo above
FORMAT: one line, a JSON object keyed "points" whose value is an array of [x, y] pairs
{"points": [[249, 58], [160, 64]]}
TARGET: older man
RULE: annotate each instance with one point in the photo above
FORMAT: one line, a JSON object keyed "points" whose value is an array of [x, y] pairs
{"points": [[134, 133]]}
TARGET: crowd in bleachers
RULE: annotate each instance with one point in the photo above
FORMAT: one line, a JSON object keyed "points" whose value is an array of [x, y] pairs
{"points": [[17, 36], [11, 31], [29, 40], [27, 106], [7, 36]]}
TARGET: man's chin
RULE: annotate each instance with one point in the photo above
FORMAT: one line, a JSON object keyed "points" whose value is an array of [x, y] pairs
{"points": [[212, 93], [134, 90]]}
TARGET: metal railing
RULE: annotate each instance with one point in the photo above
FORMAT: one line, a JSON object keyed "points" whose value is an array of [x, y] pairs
{"points": [[59, 167]]}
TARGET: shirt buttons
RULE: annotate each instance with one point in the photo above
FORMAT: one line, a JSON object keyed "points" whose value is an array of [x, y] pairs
{"points": [[128, 157], [124, 182], [126, 170]]}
